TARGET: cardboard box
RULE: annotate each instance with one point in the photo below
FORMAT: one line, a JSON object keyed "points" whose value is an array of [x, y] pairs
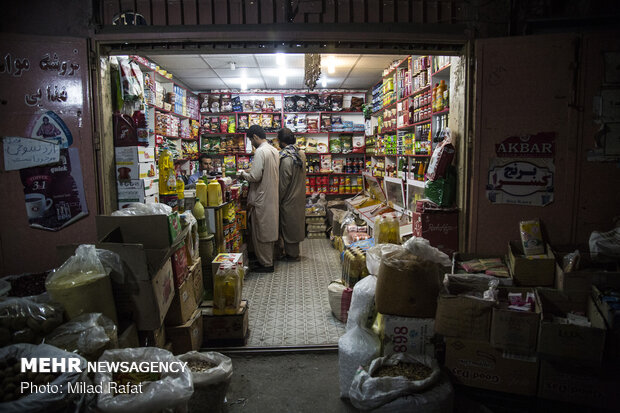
{"points": [[440, 228], [236, 258], [195, 274], [153, 338], [146, 289], [179, 265], [224, 328], [611, 316], [125, 172], [566, 340], [529, 271], [152, 231], [579, 384], [407, 335], [478, 364], [513, 330], [134, 154], [460, 315], [137, 190], [183, 304], [188, 336]]}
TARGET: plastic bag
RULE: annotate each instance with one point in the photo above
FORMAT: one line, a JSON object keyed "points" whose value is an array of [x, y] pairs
{"points": [[172, 390], [368, 392], [422, 248], [570, 262], [24, 320], [210, 385], [357, 347], [442, 191], [131, 85], [136, 208], [43, 402], [82, 284], [188, 219], [439, 399], [362, 302], [87, 335], [374, 254], [605, 246], [339, 299]]}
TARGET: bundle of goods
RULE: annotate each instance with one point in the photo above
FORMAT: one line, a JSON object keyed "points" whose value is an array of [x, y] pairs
{"points": [[339, 299], [353, 266], [159, 391], [27, 319], [20, 389], [359, 345], [441, 175], [402, 382], [211, 375]]}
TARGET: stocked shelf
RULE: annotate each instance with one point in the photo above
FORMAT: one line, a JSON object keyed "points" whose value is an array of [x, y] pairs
{"points": [[334, 153], [168, 111], [412, 156], [333, 173], [228, 154]]}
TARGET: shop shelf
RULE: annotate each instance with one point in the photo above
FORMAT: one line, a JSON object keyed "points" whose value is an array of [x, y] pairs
{"points": [[190, 139], [335, 153], [228, 154], [168, 111], [333, 173], [223, 133], [275, 112], [415, 182], [424, 89], [441, 70], [441, 112]]}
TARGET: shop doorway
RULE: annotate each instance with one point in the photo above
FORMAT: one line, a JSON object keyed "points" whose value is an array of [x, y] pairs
{"points": [[290, 308]]}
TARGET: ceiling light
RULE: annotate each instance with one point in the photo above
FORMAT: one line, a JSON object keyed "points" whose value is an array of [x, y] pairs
{"points": [[282, 80], [244, 84], [233, 66], [280, 60], [324, 82]]}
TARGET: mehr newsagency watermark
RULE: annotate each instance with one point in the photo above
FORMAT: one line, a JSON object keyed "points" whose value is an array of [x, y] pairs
{"points": [[76, 365]]}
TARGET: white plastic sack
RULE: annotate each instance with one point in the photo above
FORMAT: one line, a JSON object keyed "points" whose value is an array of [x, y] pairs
{"points": [[172, 390], [422, 248], [188, 219], [87, 335], [356, 347], [369, 392], [210, 386], [137, 208], [439, 399], [374, 254], [605, 246], [339, 299], [362, 302], [44, 402]]}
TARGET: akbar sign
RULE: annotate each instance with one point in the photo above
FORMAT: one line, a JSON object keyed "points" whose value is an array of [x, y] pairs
{"points": [[541, 145]]}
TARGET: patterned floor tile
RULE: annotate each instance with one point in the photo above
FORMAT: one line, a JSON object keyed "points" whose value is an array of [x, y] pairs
{"points": [[290, 307]]}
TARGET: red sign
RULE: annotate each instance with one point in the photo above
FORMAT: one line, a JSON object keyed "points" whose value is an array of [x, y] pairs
{"points": [[541, 145]]}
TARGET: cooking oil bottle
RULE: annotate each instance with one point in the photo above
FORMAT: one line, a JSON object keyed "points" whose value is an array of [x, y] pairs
{"points": [[226, 290], [167, 177]]}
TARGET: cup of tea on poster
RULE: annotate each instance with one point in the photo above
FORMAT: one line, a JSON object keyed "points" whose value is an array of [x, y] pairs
{"points": [[37, 205]]}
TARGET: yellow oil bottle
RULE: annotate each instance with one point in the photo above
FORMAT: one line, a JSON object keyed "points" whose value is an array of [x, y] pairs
{"points": [[214, 193]]}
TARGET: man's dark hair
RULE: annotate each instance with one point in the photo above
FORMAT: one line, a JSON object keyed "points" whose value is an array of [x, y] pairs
{"points": [[258, 131], [203, 156], [285, 135]]}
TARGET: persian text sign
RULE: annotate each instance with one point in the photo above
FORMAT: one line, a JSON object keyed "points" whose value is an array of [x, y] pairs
{"points": [[541, 145], [22, 153], [521, 182]]}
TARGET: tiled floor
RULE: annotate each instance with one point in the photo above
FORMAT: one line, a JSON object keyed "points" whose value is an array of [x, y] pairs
{"points": [[290, 306]]}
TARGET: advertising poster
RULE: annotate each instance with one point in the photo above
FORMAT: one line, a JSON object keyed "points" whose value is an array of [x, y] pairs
{"points": [[521, 181], [54, 194]]}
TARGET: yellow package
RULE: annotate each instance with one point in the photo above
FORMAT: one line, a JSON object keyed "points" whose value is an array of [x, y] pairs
{"points": [[531, 237]]}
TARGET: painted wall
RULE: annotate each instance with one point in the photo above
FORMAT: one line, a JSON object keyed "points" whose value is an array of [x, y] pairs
{"points": [[538, 84]]}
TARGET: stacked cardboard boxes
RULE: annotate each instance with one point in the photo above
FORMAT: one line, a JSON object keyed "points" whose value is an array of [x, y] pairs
{"points": [[315, 226], [137, 175]]}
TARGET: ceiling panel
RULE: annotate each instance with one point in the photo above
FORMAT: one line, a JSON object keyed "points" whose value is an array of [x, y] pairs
{"points": [[241, 60], [290, 60], [378, 61], [187, 73], [249, 72], [171, 62], [235, 82], [197, 84], [359, 82]]}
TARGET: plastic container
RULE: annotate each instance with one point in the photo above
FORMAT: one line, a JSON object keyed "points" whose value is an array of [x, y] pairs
{"points": [[226, 289], [201, 193], [167, 177], [214, 193]]}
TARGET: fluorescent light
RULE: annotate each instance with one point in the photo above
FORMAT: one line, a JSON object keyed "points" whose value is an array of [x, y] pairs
{"points": [[282, 80], [244, 84], [324, 82], [331, 65], [280, 59], [232, 66]]}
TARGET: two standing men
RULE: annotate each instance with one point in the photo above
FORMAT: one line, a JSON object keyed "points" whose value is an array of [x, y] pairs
{"points": [[276, 197]]}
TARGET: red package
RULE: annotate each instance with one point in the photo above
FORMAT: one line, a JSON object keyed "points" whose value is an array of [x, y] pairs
{"points": [[441, 159]]}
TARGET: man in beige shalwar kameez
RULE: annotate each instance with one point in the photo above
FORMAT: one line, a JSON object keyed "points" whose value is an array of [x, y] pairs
{"points": [[292, 195], [263, 198]]}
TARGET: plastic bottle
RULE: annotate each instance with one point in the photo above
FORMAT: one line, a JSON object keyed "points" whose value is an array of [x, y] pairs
{"points": [[167, 178], [446, 96], [181, 193], [440, 90], [225, 290], [214, 193], [434, 98], [199, 213], [201, 193]]}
